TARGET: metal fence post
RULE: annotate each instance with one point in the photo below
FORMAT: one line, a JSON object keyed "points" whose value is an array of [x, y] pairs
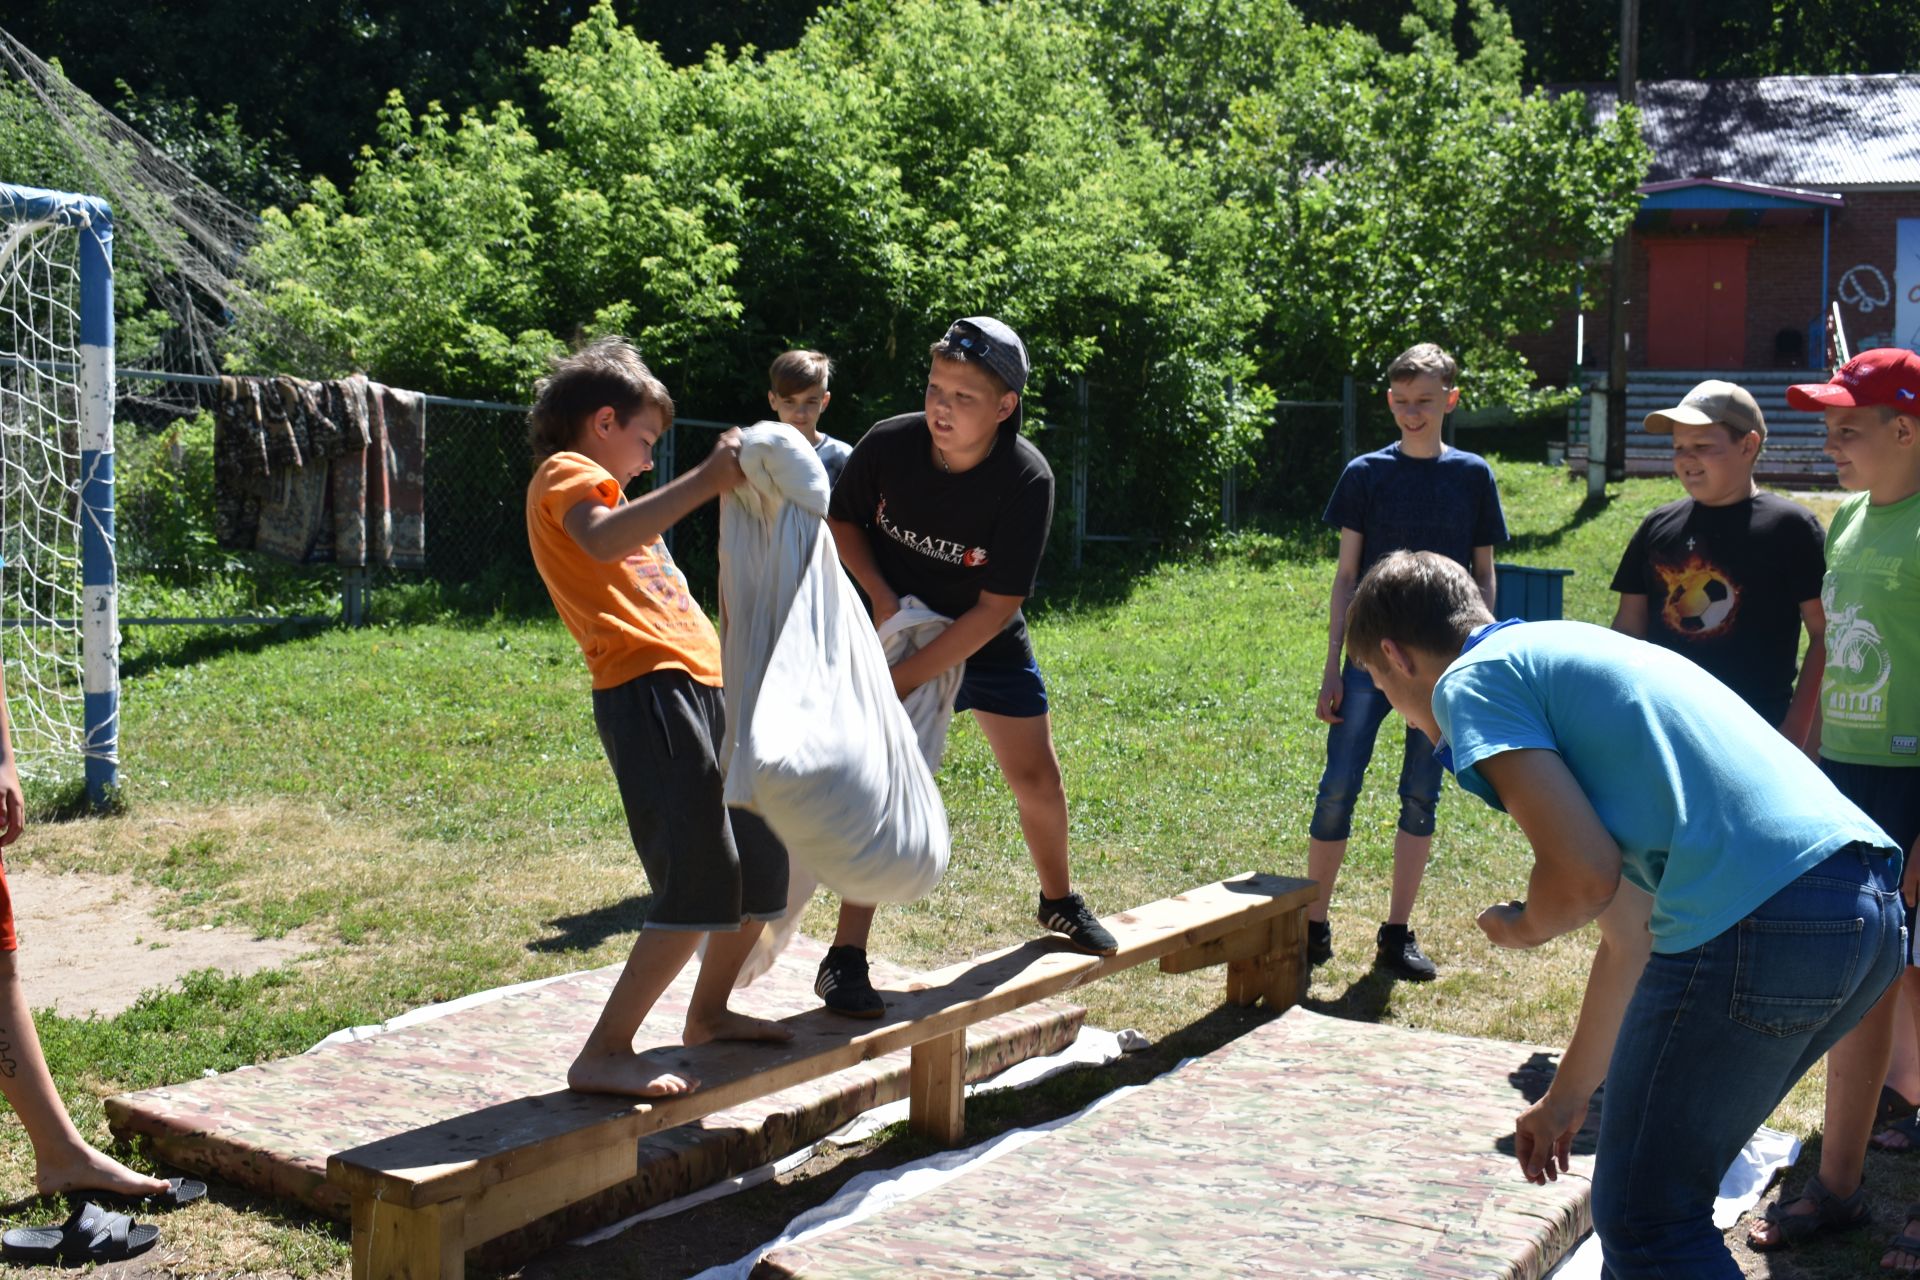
{"points": [[1080, 451], [1349, 420]]}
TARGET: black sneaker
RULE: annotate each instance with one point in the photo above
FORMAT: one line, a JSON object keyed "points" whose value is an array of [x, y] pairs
{"points": [[1319, 942], [1070, 917], [842, 982], [1400, 954]]}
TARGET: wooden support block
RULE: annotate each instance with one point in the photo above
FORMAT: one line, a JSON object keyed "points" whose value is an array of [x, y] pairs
{"points": [[1287, 967], [936, 1097], [1246, 980], [510, 1205], [1245, 944], [395, 1243]]}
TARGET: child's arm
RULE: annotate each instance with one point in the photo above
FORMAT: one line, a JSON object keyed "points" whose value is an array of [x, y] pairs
{"points": [[960, 641], [856, 553], [1543, 1135], [1630, 616], [613, 533], [1346, 578], [13, 806], [1483, 574], [1803, 716], [1576, 864]]}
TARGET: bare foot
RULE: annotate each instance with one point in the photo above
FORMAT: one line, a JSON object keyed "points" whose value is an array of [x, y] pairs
{"points": [[627, 1074], [728, 1025], [1904, 1253], [85, 1169]]}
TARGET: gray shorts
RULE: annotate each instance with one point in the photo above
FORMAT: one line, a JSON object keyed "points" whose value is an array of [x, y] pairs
{"points": [[710, 867]]}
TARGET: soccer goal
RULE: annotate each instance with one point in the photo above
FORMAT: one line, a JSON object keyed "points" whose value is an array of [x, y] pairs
{"points": [[59, 613]]}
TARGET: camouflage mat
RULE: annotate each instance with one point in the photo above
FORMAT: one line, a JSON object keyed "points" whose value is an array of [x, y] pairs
{"points": [[271, 1128], [1309, 1147]]}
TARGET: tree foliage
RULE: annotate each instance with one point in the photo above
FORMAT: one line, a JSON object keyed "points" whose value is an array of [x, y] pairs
{"points": [[1185, 205]]}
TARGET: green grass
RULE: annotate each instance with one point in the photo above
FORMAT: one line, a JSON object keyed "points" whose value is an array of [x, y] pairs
{"points": [[429, 801]]}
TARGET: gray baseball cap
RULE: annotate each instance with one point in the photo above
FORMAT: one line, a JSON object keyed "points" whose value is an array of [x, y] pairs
{"points": [[993, 344], [1713, 401]]}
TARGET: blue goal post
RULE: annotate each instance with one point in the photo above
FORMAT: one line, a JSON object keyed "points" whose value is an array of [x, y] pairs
{"points": [[72, 364]]}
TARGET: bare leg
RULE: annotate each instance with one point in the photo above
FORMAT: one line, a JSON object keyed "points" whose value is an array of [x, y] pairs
{"points": [[1323, 868], [708, 1017], [1855, 1067], [62, 1159], [856, 924], [607, 1062], [1023, 747], [1409, 866]]}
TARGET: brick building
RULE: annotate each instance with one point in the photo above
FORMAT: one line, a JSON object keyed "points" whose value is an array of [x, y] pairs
{"points": [[1768, 202]]}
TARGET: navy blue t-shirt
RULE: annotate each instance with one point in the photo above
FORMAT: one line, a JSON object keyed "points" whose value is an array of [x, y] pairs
{"points": [[1447, 504]]}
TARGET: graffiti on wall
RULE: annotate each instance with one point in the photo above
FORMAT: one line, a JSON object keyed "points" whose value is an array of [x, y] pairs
{"points": [[1865, 287], [1906, 284]]}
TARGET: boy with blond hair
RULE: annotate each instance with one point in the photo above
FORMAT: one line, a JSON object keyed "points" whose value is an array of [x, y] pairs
{"points": [[655, 665], [798, 396], [1868, 736], [1419, 494]]}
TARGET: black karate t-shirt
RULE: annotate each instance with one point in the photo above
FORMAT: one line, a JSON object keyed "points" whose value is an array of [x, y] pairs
{"points": [[1724, 587], [944, 537]]}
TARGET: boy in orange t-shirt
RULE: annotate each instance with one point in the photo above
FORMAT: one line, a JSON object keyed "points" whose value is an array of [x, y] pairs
{"points": [[655, 663]]}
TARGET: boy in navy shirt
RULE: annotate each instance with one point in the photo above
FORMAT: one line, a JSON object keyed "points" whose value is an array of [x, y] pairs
{"points": [[1418, 495]]}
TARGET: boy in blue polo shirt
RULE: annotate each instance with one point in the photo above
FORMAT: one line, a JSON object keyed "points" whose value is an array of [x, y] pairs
{"points": [[1749, 911], [1418, 495]]}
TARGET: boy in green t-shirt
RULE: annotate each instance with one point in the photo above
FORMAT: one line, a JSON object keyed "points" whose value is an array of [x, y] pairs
{"points": [[1868, 734]]}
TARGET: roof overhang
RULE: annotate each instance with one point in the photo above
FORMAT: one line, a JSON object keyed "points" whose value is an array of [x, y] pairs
{"points": [[1722, 203]]}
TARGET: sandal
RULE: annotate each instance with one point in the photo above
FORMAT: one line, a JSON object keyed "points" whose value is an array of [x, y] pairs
{"points": [[180, 1192], [1830, 1213], [1908, 1129], [1904, 1243], [91, 1234], [1891, 1105]]}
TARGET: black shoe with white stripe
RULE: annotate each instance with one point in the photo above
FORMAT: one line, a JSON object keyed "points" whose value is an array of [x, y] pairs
{"points": [[843, 984], [1070, 918]]}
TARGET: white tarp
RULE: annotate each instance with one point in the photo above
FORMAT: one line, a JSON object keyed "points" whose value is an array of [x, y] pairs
{"points": [[817, 742]]}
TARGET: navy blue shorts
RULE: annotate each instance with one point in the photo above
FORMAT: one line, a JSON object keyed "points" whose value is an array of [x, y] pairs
{"points": [[1003, 690], [1890, 795]]}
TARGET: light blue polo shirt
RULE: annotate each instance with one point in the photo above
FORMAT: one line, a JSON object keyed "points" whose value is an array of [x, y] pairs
{"points": [[1714, 811]]}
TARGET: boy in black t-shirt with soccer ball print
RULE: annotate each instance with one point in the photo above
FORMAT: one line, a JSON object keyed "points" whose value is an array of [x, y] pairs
{"points": [[952, 505]]}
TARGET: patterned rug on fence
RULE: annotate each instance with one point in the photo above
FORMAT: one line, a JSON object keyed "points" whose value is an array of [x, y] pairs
{"points": [[271, 1128], [1311, 1146]]}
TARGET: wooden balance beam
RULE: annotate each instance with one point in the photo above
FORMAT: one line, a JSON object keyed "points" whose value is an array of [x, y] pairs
{"points": [[421, 1199]]}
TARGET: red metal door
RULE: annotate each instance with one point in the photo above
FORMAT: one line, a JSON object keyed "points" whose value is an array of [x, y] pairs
{"points": [[1697, 304]]}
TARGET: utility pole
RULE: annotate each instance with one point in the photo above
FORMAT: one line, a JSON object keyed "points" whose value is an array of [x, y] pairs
{"points": [[1622, 266]]}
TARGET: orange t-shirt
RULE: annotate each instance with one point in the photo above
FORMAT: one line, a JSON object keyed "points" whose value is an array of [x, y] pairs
{"points": [[630, 616]]}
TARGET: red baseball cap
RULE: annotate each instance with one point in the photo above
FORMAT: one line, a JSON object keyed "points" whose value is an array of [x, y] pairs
{"points": [[1886, 375]]}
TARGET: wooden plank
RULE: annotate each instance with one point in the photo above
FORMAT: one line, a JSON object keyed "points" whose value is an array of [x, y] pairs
{"points": [[1244, 945], [1246, 981], [453, 1159], [508, 1206], [391, 1242], [936, 1091]]}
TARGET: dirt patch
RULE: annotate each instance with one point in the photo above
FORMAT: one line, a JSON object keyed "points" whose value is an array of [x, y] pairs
{"points": [[90, 944]]}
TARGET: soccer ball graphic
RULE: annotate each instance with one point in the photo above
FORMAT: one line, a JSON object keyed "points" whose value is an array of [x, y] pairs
{"points": [[1700, 603]]}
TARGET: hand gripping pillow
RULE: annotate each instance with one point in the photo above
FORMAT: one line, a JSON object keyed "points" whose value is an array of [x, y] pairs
{"points": [[818, 743]]}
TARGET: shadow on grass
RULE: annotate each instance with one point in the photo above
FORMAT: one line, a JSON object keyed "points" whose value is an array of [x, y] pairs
{"points": [[1591, 506], [587, 930], [1364, 1000], [158, 653]]}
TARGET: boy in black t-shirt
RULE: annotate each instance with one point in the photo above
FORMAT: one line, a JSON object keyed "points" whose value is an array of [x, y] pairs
{"points": [[1728, 574], [952, 505]]}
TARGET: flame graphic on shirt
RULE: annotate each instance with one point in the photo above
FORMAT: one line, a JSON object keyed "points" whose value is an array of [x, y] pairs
{"points": [[1700, 600]]}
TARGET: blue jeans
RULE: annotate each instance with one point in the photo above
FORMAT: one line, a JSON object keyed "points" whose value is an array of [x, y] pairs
{"points": [[1350, 747], [1713, 1039]]}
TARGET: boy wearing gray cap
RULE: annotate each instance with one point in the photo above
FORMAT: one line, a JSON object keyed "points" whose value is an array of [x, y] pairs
{"points": [[1729, 574], [952, 505]]}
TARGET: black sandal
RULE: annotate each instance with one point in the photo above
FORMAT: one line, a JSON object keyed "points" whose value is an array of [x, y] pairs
{"points": [[1904, 1243], [91, 1234], [1830, 1213], [1891, 1105], [1908, 1129]]}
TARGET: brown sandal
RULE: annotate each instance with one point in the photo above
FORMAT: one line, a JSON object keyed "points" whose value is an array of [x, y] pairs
{"points": [[1830, 1213]]}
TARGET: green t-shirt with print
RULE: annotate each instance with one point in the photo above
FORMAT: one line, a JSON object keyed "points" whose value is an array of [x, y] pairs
{"points": [[1870, 694]]}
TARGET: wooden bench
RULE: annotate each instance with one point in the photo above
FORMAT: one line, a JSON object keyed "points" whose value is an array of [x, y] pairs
{"points": [[421, 1199]]}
